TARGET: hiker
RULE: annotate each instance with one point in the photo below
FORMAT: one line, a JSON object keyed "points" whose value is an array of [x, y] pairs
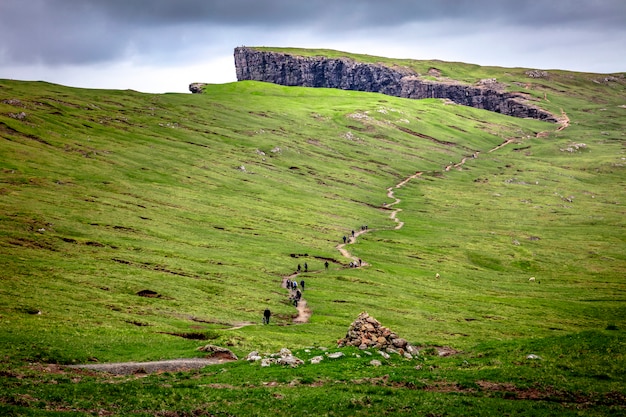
{"points": [[306, 267], [353, 233], [288, 283], [299, 268], [326, 265], [266, 316], [294, 285], [296, 299], [360, 262], [344, 239], [302, 284]]}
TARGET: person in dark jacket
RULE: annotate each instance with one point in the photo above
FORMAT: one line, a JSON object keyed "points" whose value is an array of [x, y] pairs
{"points": [[266, 316]]}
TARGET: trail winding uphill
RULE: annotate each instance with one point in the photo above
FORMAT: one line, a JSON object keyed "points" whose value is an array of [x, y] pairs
{"points": [[304, 312]]}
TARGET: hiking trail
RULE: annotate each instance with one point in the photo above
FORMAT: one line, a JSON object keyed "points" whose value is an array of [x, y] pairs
{"points": [[304, 312]]}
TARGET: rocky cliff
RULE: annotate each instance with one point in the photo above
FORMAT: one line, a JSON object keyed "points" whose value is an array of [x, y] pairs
{"points": [[348, 74]]}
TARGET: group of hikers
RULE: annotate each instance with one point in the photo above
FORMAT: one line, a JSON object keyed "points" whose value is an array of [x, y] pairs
{"points": [[292, 286], [347, 239], [356, 264]]}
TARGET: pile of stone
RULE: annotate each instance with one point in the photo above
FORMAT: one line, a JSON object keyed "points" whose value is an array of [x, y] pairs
{"points": [[366, 332]]}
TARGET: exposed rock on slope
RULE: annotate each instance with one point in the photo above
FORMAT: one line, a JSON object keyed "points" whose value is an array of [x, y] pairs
{"points": [[348, 74]]}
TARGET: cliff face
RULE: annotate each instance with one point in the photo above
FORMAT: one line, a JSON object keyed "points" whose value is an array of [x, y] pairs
{"points": [[347, 74]]}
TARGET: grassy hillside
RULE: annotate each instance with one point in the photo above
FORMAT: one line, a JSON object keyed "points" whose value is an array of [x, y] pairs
{"points": [[209, 200]]}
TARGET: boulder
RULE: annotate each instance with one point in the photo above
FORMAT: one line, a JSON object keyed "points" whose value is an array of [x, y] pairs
{"points": [[196, 88], [218, 352], [290, 360]]}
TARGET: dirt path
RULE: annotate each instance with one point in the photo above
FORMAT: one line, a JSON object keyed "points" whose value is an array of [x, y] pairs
{"points": [[304, 312], [138, 368], [394, 214], [563, 120], [503, 144]]}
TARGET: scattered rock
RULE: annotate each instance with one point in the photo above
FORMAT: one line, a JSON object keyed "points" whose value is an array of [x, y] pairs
{"points": [[197, 88], [19, 116], [284, 357], [317, 359], [335, 355], [13, 102], [290, 360], [574, 147], [375, 362], [218, 352], [532, 356], [537, 74]]}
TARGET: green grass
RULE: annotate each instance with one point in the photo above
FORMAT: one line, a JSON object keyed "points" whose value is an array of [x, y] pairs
{"points": [[105, 193]]}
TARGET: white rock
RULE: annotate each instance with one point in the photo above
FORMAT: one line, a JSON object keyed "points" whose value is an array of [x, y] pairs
{"points": [[290, 360], [375, 362], [336, 355], [384, 354], [412, 350], [317, 359]]}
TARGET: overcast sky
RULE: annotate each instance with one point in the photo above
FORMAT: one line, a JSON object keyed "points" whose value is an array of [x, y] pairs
{"points": [[163, 45]]}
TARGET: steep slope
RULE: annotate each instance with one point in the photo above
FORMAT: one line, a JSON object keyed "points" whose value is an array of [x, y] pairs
{"points": [[137, 224], [139, 227]]}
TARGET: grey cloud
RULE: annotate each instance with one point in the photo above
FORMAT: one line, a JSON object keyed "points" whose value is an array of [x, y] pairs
{"points": [[91, 31], [367, 12]]}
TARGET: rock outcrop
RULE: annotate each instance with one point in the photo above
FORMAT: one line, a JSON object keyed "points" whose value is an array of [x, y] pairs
{"points": [[348, 74]]}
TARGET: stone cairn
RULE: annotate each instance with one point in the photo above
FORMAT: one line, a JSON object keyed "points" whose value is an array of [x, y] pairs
{"points": [[367, 332]]}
